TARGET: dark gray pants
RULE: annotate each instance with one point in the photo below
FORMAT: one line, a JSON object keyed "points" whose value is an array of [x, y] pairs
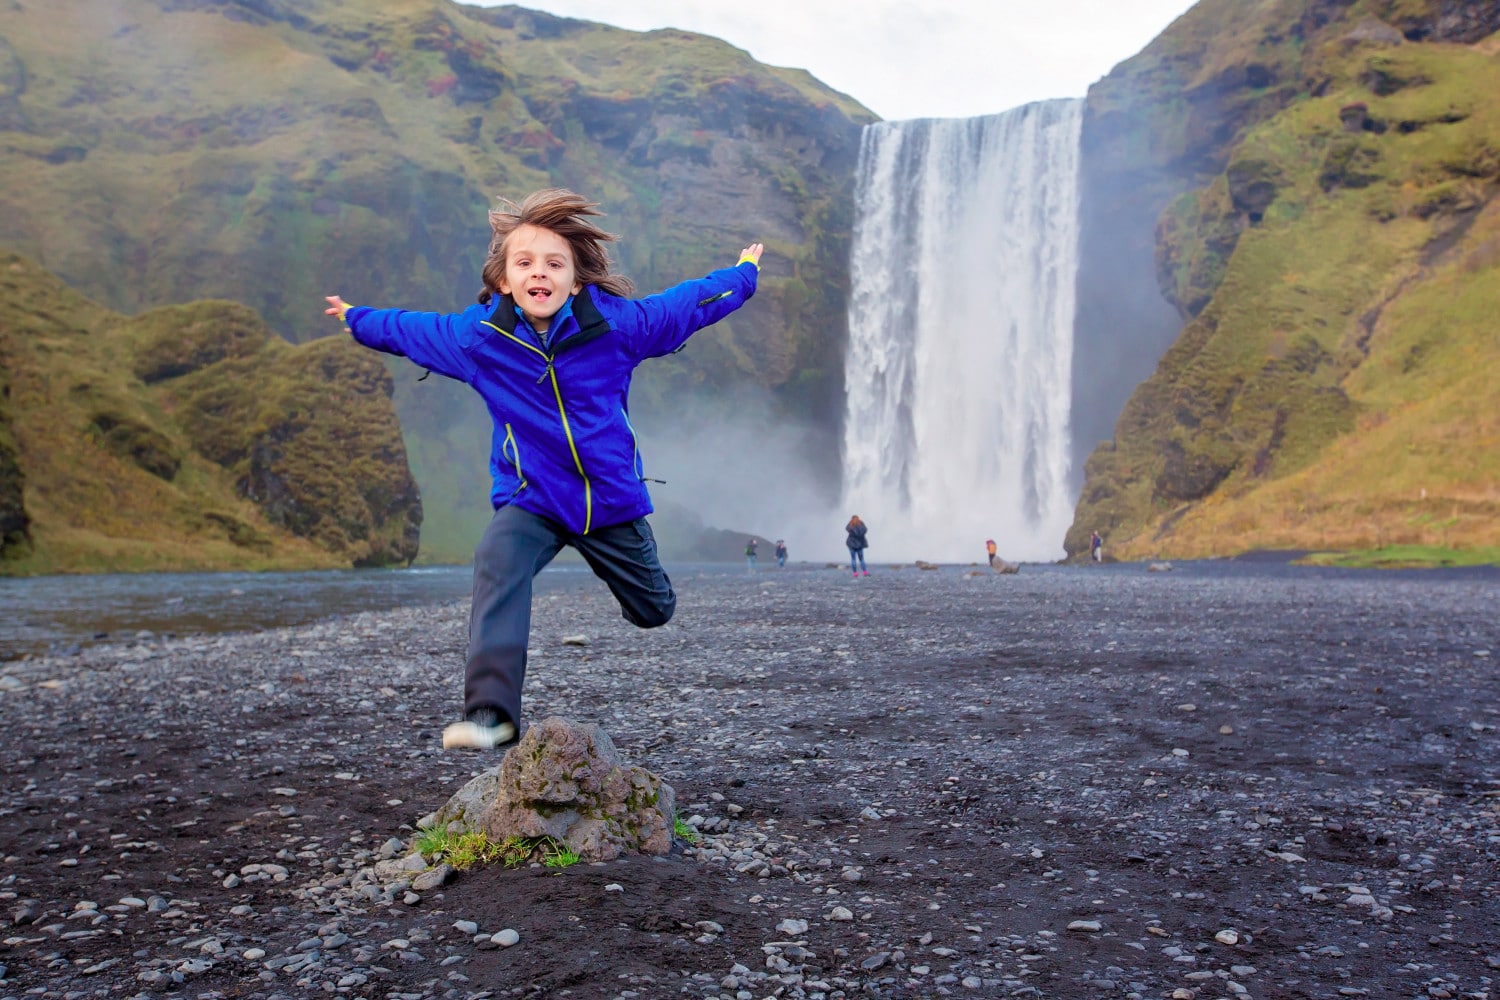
{"points": [[516, 546]]}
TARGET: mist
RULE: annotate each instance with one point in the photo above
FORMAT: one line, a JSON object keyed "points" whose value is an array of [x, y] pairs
{"points": [[741, 464]]}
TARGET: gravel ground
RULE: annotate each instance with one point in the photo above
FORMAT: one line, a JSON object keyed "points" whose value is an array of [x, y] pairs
{"points": [[1066, 783]]}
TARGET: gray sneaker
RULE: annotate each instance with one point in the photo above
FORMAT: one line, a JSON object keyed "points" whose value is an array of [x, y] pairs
{"points": [[482, 730]]}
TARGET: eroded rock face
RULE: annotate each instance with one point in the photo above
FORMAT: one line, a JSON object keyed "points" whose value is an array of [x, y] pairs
{"points": [[567, 781]]}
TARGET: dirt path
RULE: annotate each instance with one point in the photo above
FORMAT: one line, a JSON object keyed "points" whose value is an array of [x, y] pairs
{"points": [[1066, 783]]}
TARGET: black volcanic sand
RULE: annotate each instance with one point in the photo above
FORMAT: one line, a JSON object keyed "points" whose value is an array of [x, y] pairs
{"points": [[1085, 782]]}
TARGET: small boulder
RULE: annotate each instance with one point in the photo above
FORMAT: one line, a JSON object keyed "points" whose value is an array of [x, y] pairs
{"points": [[1006, 568], [1159, 567], [567, 781]]}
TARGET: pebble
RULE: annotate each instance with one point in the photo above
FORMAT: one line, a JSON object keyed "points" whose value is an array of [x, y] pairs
{"points": [[1085, 925], [840, 914], [1228, 936], [506, 938]]}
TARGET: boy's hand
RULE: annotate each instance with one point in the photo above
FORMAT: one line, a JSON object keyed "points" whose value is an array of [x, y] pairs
{"points": [[752, 254], [336, 307]]}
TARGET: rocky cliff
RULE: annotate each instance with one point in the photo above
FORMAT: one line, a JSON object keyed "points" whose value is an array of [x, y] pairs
{"points": [[269, 151], [1319, 180], [190, 437]]}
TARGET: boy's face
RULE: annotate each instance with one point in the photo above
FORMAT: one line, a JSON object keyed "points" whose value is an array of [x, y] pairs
{"points": [[539, 273]]}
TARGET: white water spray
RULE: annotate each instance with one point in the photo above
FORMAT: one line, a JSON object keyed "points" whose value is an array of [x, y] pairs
{"points": [[961, 334]]}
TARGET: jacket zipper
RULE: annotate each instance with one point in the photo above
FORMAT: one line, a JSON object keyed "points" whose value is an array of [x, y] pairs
{"points": [[588, 489]]}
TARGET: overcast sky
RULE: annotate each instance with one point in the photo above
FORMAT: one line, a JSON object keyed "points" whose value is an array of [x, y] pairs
{"points": [[900, 59]]}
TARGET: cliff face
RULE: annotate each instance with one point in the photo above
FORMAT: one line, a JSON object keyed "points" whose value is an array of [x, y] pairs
{"points": [[269, 152], [1321, 182], [191, 437]]}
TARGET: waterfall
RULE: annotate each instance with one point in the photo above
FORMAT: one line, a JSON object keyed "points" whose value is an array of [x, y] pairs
{"points": [[960, 352]]}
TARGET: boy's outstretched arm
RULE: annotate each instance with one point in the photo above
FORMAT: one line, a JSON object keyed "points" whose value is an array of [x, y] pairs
{"points": [[669, 318], [432, 340]]}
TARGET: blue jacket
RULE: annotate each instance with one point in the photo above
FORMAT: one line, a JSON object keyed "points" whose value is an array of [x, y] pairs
{"points": [[563, 446]]}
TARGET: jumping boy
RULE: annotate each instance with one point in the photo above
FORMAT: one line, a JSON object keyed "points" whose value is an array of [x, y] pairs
{"points": [[550, 348]]}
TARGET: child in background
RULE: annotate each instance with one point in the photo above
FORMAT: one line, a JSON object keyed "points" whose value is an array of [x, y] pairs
{"points": [[550, 348]]}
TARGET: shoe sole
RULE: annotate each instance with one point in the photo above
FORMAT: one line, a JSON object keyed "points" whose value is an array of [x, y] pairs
{"points": [[467, 734]]}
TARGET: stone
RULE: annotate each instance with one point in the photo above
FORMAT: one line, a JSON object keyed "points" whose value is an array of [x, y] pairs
{"points": [[1228, 936], [506, 938], [567, 781], [1087, 926], [433, 879]]}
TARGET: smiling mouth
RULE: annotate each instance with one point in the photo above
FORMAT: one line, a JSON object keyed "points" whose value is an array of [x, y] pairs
{"points": [[539, 294]]}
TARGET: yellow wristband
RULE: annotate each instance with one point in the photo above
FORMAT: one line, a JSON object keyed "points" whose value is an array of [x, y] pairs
{"points": [[750, 259]]}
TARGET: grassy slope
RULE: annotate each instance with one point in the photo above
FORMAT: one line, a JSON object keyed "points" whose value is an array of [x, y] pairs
{"points": [[157, 156], [1332, 391], [116, 478]]}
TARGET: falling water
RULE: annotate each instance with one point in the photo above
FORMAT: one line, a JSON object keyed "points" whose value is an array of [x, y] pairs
{"points": [[961, 334]]}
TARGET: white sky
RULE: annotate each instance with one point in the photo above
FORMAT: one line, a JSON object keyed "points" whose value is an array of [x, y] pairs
{"points": [[903, 59]]}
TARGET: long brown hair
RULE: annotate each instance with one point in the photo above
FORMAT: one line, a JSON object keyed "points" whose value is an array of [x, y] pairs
{"points": [[566, 214]]}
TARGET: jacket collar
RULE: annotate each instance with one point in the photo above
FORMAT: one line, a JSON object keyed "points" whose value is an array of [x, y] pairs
{"points": [[591, 323]]}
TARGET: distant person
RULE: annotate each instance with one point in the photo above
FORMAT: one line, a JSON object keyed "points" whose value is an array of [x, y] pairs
{"points": [[750, 553], [856, 538], [990, 550], [1096, 548], [550, 348], [780, 554]]}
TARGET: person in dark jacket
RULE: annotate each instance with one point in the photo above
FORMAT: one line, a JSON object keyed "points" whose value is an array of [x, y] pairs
{"points": [[855, 539], [780, 554], [750, 547], [550, 348]]}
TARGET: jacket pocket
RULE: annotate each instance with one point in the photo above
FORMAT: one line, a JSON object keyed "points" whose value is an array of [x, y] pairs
{"points": [[512, 453]]}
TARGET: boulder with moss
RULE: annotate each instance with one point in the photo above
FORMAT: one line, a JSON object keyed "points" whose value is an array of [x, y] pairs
{"points": [[567, 781]]}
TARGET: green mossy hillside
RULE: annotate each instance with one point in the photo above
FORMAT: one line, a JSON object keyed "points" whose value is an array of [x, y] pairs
{"points": [[1340, 277], [251, 454], [270, 152]]}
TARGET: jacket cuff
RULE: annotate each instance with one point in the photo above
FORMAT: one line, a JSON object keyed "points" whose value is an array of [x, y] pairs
{"points": [[748, 260]]}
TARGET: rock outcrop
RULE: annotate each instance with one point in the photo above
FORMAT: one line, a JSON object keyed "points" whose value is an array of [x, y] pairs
{"points": [[190, 438]]}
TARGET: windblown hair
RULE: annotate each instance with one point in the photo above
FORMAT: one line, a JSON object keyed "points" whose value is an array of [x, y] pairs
{"points": [[566, 214]]}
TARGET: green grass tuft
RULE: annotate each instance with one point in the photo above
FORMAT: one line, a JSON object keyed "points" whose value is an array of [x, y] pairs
{"points": [[682, 831]]}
